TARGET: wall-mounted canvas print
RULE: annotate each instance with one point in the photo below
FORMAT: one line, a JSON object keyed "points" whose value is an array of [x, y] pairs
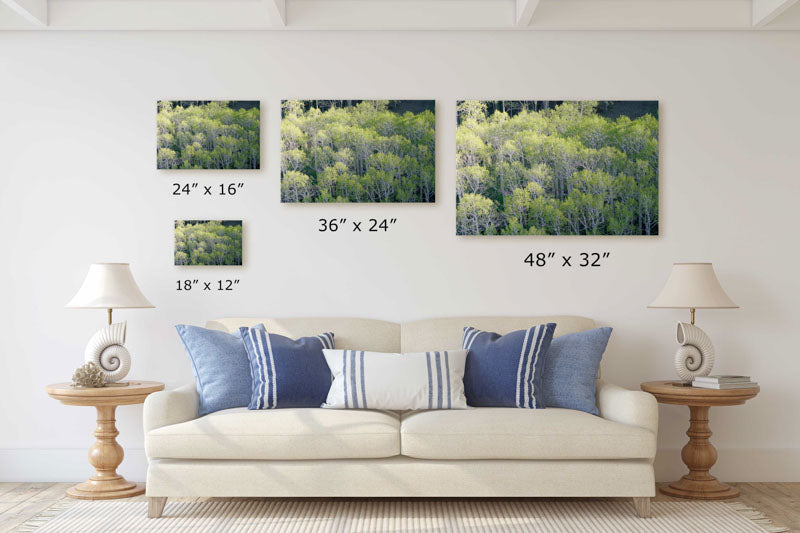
{"points": [[557, 168], [203, 134], [208, 242], [358, 151]]}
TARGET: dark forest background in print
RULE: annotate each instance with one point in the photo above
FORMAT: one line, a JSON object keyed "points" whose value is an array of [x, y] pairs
{"points": [[208, 242], [203, 134], [557, 167]]}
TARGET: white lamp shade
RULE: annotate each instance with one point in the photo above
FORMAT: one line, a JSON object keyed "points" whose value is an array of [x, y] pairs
{"points": [[109, 286], [693, 285]]}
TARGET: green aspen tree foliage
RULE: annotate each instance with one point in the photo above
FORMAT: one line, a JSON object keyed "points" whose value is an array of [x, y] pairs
{"points": [[208, 135], [208, 242], [557, 168], [358, 151]]}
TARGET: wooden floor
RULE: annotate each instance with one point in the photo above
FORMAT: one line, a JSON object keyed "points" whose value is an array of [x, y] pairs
{"points": [[21, 501]]}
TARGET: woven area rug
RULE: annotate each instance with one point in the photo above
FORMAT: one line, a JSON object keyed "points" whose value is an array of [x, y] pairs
{"points": [[317, 516]]}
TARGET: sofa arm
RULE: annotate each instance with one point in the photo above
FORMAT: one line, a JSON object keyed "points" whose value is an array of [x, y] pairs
{"points": [[170, 407], [634, 408]]}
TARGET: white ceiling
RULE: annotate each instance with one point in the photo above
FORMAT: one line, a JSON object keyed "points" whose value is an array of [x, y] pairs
{"points": [[400, 14]]}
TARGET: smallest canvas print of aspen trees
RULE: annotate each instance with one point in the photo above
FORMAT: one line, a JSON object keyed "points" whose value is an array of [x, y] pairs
{"points": [[204, 134], [358, 151], [557, 167], [208, 242]]}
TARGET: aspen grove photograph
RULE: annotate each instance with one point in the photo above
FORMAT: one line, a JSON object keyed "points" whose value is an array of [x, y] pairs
{"points": [[358, 151], [201, 134], [208, 242], [557, 167]]}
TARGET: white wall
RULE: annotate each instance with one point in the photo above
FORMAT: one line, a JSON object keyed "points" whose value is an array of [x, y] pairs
{"points": [[78, 185]]}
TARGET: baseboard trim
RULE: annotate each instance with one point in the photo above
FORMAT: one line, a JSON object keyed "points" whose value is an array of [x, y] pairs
{"points": [[737, 464], [62, 464], [72, 465]]}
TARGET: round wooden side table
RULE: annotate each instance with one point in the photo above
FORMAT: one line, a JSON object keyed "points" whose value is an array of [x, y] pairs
{"points": [[106, 454], [698, 454]]}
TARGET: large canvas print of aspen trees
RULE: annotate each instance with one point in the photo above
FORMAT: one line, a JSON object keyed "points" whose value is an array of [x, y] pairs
{"points": [[557, 167], [358, 151], [202, 134]]}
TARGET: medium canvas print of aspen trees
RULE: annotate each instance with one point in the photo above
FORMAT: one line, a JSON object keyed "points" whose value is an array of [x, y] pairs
{"points": [[208, 242], [202, 134], [557, 167], [358, 151]]}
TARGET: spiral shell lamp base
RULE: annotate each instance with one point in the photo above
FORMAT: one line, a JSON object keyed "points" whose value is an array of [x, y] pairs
{"points": [[107, 350], [695, 357]]}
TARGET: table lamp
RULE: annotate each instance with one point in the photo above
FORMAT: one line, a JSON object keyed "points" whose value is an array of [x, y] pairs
{"points": [[693, 286], [109, 286]]}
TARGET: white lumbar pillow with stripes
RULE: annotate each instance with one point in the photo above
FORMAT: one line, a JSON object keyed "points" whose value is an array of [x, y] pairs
{"points": [[396, 381]]}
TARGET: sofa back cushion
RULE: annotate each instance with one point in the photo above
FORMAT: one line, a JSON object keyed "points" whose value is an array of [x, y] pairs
{"points": [[351, 333], [446, 333]]}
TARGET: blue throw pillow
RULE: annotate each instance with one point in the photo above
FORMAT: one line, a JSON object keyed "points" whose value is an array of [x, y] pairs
{"points": [[286, 372], [220, 365], [570, 369], [506, 371]]}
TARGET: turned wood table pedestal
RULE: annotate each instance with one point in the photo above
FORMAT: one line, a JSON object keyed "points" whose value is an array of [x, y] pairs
{"points": [[106, 454], [698, 454]]}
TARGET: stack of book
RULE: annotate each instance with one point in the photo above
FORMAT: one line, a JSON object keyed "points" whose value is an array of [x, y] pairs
{"points": [[723, 382]]}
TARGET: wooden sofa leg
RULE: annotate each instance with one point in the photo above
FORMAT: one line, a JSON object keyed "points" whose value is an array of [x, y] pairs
{"points": [[155, 506], [642, 506]]}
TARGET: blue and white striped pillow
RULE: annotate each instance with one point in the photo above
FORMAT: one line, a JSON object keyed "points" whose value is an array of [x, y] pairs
{"points": [[286, 372], [506, 371], [396, 381]]}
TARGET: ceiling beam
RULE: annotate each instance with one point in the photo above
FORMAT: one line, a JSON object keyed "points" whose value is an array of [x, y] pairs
{"points": [[34, 11], [643, 15], [398, 15], [525, 11], [277, 9], [765, 11]]}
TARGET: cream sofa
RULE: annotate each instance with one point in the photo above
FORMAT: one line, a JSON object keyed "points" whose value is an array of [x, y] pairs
{"points": [[482, 452]]}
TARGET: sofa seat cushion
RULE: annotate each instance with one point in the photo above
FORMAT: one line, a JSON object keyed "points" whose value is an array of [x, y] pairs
{"points": [[289, 434], [509, 433]]}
